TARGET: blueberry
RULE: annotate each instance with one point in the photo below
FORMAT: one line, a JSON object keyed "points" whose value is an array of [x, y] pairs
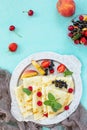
{"points": [[46, 71]]}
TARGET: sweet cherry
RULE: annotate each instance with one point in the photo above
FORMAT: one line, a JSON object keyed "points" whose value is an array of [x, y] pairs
{"points": [[12, 28], [71, 28], [12, 47], [30, 12], [81, 17]]}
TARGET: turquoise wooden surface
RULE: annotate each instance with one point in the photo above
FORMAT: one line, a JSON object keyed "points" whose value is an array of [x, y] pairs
{"points": [[45, 31]]}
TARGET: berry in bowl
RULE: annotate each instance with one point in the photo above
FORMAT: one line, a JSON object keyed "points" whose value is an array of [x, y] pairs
{"points": [[78, 30]]}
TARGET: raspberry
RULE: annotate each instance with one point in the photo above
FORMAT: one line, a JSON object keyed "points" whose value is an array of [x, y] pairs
{"points": [[39, 103], [81, 17], [39, 94], [52, 71], [70, 90], [70, 28], [66, 107], [13, 47], [30, 88]]}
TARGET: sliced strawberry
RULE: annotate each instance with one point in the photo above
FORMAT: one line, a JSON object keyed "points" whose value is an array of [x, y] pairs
{"points": [[61, 68], [45, 63]]}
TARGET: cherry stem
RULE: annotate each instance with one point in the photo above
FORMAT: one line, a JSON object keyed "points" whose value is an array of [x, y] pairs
{"points": [[25, 11], [17, 34]]}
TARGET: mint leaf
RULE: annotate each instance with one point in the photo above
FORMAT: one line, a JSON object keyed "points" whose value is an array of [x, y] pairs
{"points": [[56, 106], [51, 97], [28, 92], [68, 72], [47, 102]]}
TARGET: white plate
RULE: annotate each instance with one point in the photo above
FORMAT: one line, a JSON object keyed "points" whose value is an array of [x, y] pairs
{"points": [[71, 62]]}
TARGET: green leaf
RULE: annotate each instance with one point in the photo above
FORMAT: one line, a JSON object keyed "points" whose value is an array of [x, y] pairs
{"points": [[68, 72], [47, 103], [51, 97], [28, 92], [76, 36], [56, 106]]}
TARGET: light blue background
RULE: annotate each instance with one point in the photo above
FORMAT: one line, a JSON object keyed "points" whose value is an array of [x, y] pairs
{"points": [[45, 31]]}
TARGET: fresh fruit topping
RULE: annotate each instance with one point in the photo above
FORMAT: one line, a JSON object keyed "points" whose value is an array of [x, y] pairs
{"points": [[52, 71], [71, 28], [52, 102], [66, 108], [39, 103], [78, 30], [29, 73], [27, 91], [81, 17], [61, 68], [30, 12], [83, 40], [38, 67], [39, 94], [59, 83], [45, 114], [12, 28], [45, 63], [12, 47], [70, 90], [76, 41], [66, 7], [30, 88]]}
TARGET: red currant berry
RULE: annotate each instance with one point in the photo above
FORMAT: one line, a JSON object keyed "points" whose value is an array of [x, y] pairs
{"points": [[13, 47], [30, 12], [52, 71], [39, 94], [30, 88], [39, 103], [81, 17], [70, 28], [12, 28], [66, 107], [70, 90]]}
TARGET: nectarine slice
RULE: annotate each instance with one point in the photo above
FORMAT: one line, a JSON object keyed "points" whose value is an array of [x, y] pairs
{"points": [[29, 73]]}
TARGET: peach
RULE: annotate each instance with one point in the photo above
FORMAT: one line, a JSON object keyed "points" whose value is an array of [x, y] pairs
{"points": [[66, 7], [29, 73]]}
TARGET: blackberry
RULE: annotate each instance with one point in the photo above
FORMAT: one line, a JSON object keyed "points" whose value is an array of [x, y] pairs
{"points": [[59, 83]]}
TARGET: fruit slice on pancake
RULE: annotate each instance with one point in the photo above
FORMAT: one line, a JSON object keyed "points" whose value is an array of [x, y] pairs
{"points": [[29, 73], [61, 97], [24, 101], [38, 67]]}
